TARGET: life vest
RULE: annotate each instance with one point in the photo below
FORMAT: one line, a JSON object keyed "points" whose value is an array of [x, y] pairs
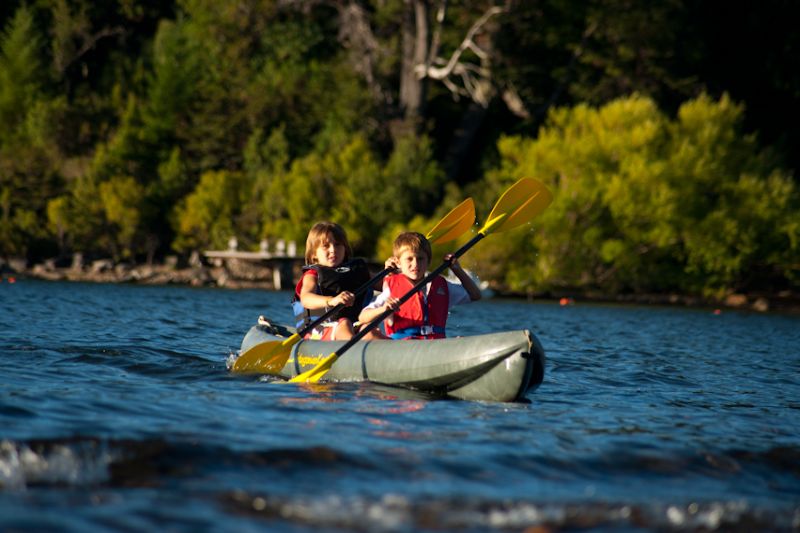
{"points": [[421, 316], [331, 281]]}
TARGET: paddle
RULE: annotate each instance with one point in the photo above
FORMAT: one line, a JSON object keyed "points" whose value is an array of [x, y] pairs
{"points": [[519, 204], [271, 357]]}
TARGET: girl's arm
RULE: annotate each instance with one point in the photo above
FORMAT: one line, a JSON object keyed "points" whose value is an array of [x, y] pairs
{"points": [[311, 300], [466, 281]]}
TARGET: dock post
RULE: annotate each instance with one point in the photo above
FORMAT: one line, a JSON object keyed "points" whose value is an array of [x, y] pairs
{"points": [[282, 274]]}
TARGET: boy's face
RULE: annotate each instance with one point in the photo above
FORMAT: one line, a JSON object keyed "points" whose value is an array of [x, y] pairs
{"points": [[413, 264], [329, 253]]}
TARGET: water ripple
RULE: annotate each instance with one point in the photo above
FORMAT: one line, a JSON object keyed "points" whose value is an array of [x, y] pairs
{"points": [[117, 412]]}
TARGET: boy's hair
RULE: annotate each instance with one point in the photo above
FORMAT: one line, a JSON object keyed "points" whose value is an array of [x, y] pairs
{"points": [[330, 231], [416, 242]]}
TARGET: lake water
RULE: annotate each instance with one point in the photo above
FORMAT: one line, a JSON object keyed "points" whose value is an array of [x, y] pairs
{"points": [[117, 413]]}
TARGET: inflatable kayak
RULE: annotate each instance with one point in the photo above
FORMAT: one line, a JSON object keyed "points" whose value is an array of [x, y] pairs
{"points": [[499, 367]]}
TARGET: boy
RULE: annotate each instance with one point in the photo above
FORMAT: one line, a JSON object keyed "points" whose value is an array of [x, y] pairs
{"points": [[424, 315]]}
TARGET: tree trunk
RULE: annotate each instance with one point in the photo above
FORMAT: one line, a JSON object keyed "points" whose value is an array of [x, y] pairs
{"points": [[415, 52]]}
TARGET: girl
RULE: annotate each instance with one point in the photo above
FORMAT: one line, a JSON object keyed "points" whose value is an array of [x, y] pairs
{"points": [[331, 277]]}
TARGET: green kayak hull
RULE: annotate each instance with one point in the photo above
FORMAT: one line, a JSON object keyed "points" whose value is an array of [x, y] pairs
{"points": [[501, 367]]}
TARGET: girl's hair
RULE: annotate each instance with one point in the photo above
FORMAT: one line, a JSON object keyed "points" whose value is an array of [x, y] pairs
{"points": [[416, 242], [322, 231]]}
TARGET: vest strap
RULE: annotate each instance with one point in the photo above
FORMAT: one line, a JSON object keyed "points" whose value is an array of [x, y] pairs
{"points": [[418, 331]]}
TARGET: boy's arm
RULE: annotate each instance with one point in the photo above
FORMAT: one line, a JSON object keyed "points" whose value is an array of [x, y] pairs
{"points": [[369, 313], [381, 303], [465, 279]]}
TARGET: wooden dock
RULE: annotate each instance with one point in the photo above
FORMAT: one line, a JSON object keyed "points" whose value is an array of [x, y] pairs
{"points": [[282, 260]]}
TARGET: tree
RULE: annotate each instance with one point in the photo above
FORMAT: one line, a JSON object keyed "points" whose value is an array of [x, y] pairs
{"points": [[647, 203], [207, 216], [412, 179], [450, 46], [123, 207], [335, 182], [27, 151], [21, 72]]}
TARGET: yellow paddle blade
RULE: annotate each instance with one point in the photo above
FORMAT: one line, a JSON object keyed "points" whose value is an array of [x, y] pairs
{"points": [[454, 224], [319, 370], [519, 204], [266, 358]]}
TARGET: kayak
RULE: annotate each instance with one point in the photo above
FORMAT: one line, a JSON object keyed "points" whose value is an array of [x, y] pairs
{"points": [[500, 367]]}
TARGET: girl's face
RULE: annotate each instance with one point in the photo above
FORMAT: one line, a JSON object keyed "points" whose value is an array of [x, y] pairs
{"points": [[413, 264], [329, 253]]}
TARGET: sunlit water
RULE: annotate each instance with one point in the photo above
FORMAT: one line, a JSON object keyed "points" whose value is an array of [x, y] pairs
{"points": [[117, 413]]}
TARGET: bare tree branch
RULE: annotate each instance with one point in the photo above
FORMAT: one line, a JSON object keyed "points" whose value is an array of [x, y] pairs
{"points": [[437, 34], [70, 27], [514, 102], [475, 79]]}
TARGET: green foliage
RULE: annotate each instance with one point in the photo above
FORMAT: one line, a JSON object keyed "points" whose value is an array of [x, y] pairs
{"points": [[173, 182], [21, 72], [123, 203], [132, 125], [343, 180], [738, 210], [638, 198], [122, 153], [337, 184], [28, 118], [67, 25], [412, 178], [207, 217], [58, 219], [171, 87], [224, 39], [272, 201], [77, 218], [300, 85]]}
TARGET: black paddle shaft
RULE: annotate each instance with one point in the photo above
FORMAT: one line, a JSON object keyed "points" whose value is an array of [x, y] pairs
{"points": [[379, 276], [427, 279]]}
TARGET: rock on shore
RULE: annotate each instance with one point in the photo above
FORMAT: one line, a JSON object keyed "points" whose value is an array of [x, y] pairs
{"points": [[231, 273]]}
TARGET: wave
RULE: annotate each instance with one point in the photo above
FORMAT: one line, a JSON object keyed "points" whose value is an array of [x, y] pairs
{"points": [[95, 460], [91, 462], [394, 512]]}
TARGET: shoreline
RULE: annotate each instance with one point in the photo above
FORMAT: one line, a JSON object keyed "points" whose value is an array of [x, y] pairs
{"points": [[230, 274], [237, 274]]}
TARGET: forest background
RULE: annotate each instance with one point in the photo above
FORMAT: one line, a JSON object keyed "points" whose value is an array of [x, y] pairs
{"points": [[667, 131]]}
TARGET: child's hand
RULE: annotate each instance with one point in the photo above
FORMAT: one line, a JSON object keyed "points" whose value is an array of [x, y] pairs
{"points": [[453, 260], [391, 263], [345, 298], [392, 303]]}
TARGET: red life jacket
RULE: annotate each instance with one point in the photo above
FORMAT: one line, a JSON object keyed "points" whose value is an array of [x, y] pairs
{"points": [[421, 316]]}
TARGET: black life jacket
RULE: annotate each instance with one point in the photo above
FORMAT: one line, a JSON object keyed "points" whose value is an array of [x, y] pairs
{"points": [[349, 276]]}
